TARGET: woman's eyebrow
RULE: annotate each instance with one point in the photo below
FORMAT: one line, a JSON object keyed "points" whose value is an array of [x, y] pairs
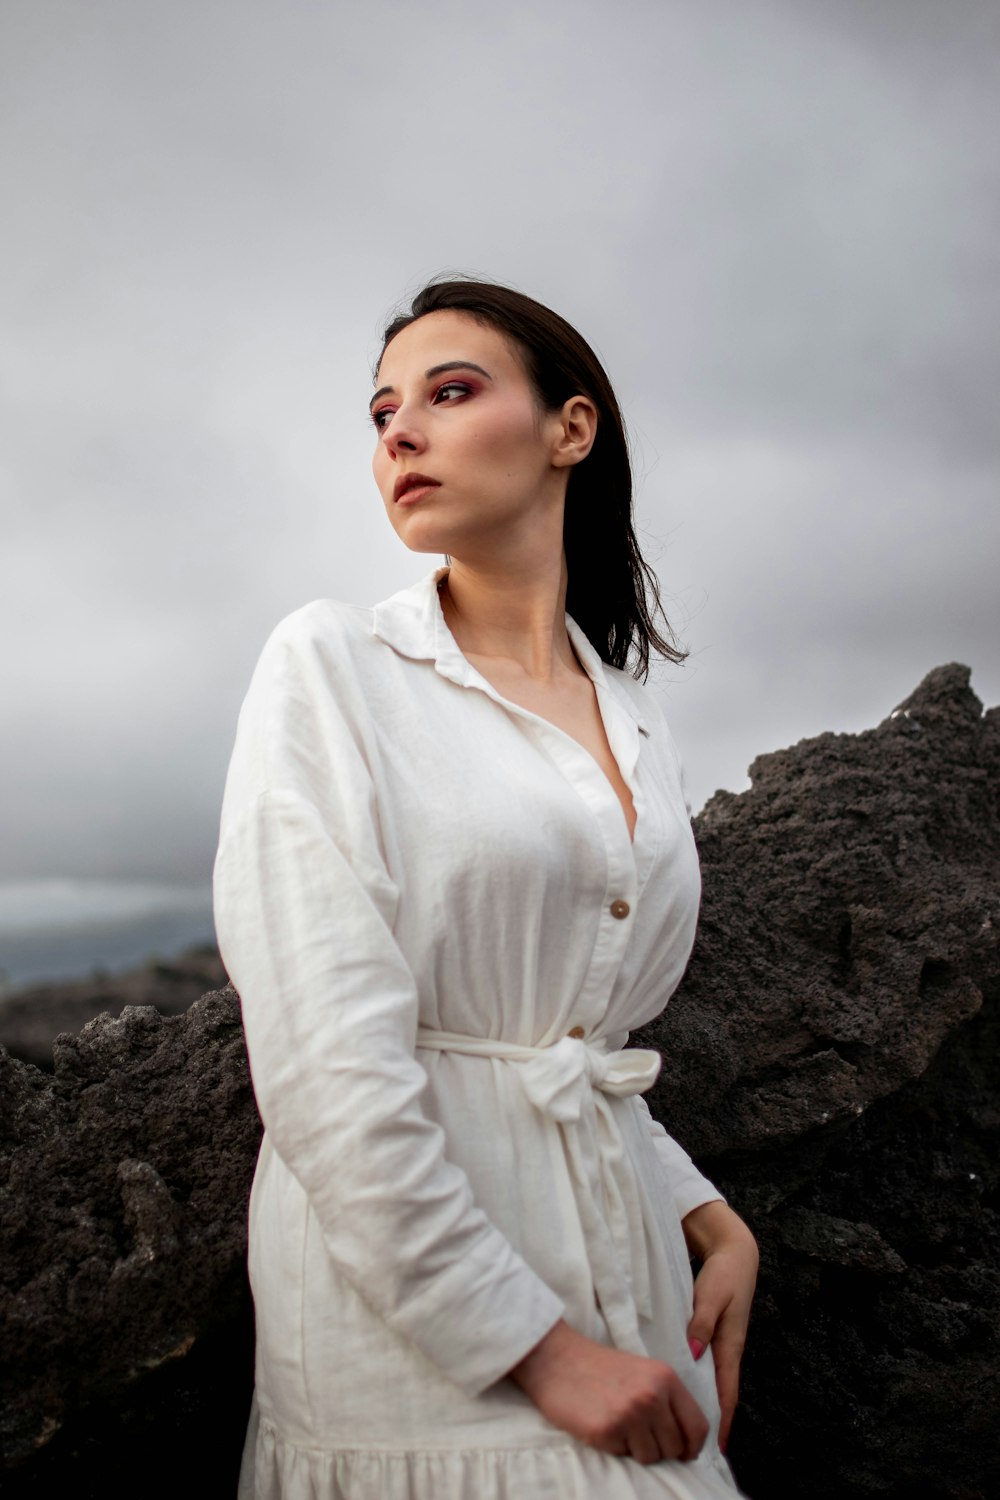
{"points": [[452, 364], [456, 364]]}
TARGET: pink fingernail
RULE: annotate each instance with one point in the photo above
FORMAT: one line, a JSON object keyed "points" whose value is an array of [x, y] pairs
{"points": [[697, 1347]]}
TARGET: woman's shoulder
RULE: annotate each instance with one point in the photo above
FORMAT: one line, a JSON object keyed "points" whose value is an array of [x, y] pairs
{"points": [[325, 632], [316, 663], [309, 694], [321, 622]]}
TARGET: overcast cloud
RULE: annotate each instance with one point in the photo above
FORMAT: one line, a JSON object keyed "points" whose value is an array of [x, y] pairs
{"points": [[775, 219]]}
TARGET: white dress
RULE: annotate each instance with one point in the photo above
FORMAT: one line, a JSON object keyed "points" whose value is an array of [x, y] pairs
{"points": [[441, 933]]}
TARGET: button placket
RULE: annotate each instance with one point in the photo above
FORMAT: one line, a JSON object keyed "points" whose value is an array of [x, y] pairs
{"points": [[582, 771]]}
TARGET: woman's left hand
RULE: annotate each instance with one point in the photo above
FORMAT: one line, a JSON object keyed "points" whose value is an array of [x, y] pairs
{"points": [[723, 1293]]}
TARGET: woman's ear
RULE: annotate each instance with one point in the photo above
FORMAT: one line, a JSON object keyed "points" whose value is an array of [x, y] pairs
{"points": [[577, 429]]}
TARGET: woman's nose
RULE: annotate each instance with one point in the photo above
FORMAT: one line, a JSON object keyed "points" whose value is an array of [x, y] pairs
{"points": [[402, 434]]}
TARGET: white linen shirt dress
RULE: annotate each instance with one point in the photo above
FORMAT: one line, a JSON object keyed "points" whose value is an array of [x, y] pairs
{"points": [[441, 933]]}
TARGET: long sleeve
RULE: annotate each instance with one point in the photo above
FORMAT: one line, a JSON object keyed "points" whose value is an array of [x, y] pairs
{"points": [[690, 1188], [304, 907]]}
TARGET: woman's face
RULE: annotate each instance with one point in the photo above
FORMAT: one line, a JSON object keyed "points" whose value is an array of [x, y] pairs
{"points": [[463, 452]]}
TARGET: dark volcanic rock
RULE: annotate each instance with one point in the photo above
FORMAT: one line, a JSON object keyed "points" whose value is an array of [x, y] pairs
{"points": [[32, 1017], [124, 1179], [831, 1059]]}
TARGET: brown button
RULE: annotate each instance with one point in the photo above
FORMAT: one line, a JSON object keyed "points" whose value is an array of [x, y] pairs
{"points": [[577, 1033], [619, 909]]}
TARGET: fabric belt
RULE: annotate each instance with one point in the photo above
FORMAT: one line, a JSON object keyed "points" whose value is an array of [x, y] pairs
{"points": [[568, 1083]]}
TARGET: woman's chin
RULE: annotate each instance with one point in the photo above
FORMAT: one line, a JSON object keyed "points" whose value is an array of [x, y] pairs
{"points": [[421, 534], [421, 544]]}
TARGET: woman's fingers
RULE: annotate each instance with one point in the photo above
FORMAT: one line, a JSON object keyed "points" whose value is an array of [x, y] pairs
{"points": [[728, 1408], [676, 1429], [723, 1294], [713, 1292], [690, 1422], [620, 1403], [727, 1380], [727, 1352], [656, 1420], [703, 1324], [644, 1446], [615, 1443]]}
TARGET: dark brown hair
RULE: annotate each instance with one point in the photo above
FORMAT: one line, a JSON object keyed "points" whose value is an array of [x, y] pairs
{"points": [[612, 592]]}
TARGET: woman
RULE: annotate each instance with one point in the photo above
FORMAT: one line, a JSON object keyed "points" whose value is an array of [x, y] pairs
{"points": [[455, 867]]}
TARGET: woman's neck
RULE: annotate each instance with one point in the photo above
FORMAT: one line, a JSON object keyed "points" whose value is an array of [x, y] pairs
{"points": [[517, 617]]}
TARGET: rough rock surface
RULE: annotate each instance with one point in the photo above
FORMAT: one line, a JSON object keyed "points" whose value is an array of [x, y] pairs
{"points": [[831, 1059], [125, 1323]]}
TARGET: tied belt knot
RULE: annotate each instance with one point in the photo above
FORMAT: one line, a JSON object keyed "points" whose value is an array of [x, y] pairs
{"points": [[569, 1082]]}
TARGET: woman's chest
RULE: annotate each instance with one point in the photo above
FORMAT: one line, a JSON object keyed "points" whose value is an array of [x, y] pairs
{"points": [[475, 795], [569, 705], [516, 873]]}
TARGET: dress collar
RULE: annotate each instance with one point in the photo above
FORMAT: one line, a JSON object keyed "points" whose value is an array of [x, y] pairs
{"points": [[412, 622]]}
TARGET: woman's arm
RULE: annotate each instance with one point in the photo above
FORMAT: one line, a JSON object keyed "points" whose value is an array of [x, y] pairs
{"points": [[723, 1293], [690, 1187], [724, 1286], [304, 910]]}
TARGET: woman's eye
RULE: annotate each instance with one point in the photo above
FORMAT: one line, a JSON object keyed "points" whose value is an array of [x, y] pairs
{"points": [[451, 389]]}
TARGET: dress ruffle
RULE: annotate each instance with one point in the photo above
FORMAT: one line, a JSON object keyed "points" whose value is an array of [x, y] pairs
{"points": [[274, 1469]]}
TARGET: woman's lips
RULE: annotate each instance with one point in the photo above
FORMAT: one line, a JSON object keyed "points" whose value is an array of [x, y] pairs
{"points": [[410, 497], [412, 487]]}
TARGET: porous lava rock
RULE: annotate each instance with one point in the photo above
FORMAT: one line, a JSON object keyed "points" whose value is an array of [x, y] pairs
{"points": [[125, 1321], [830, 1058]]}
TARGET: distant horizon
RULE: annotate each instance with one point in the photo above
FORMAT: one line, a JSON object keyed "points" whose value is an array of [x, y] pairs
{"points": [[96, 928]]}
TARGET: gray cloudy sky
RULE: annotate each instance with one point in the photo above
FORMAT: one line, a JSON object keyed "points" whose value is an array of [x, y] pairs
{"points": [[775, 219]]}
